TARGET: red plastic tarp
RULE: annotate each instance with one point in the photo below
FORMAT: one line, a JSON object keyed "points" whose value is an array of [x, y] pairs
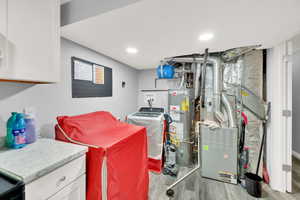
{"points": [[124, 146]]}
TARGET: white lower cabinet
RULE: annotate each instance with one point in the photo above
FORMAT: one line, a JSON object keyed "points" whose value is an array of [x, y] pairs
{"points": [[65, 183]]}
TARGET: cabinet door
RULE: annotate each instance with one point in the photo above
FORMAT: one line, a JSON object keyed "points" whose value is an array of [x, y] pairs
{"points": [[33, 41], [3, 26], [75, 191]]}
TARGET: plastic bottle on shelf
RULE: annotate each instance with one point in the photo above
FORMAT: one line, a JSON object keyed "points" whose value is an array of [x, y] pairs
{"points": [[16, 135], [30, 128]]}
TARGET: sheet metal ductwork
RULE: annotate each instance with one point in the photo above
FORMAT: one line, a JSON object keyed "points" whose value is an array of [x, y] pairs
{"points": [[216, 90]]}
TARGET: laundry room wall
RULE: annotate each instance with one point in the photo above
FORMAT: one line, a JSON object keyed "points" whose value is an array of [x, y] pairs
{"points": [[52, 100], [146, 79], [296, 95]]}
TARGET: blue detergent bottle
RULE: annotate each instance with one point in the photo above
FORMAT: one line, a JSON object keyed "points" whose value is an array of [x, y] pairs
{"points": [[16, 135]]}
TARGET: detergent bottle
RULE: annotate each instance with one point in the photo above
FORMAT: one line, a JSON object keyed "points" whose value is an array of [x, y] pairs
{"points": [[16, 135], [30, 128]]}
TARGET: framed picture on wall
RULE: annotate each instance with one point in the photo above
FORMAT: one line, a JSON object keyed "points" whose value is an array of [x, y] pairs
{"points": [[90, 79]]}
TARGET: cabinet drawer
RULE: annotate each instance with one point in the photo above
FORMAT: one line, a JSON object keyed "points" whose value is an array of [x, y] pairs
{"points": [[73, 191], [51, 183]]}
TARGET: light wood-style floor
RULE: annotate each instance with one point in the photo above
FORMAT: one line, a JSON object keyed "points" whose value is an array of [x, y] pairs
{"points": [[197, 188]]}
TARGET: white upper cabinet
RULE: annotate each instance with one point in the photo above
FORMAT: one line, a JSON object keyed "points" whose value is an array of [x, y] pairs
{"points": [[3, 6], [33, 40]]}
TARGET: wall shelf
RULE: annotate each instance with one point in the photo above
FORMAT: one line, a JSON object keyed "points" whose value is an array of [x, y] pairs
{"points": [[154, 90]]}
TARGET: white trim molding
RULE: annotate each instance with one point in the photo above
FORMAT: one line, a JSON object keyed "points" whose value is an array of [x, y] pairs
{"points": [[276, 141]]}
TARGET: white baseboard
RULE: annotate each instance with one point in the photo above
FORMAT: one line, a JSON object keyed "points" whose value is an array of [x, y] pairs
{"points": [[296, 155]]}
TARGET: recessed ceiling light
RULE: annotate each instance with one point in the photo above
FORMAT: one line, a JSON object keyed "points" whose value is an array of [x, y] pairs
{"points": [[206, 36], [132, 50]]}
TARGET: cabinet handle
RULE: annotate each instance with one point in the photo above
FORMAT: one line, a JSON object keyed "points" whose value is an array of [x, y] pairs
{"points": [[62, 179]]}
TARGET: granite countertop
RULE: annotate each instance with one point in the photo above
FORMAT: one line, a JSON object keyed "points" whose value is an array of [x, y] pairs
{"points": [[38, 159]]}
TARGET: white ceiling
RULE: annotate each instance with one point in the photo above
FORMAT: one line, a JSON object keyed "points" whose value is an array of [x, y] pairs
{"points": [[162, 28]]}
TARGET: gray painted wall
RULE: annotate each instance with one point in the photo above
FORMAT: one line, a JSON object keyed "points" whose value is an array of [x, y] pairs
{"points": [[52, 100], [77, 10], [296, 94]]}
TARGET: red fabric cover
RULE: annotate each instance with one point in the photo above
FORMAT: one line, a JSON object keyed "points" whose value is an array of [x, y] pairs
{"points": [[125, 147], [155, 165]]}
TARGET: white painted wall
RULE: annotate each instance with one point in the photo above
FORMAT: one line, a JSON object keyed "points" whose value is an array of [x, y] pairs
{"points": [[296, 94], [52, 100]]}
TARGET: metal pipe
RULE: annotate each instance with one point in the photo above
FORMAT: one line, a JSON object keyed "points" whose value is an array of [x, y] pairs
{"points": [[185, 60], [229, 110], [182, 81], [202, 91], [184, 177], [197, 81], [203, 78]]}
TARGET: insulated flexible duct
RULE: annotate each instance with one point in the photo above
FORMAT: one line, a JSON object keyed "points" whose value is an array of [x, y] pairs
{"points": [[216, 90], [229, 110]]}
